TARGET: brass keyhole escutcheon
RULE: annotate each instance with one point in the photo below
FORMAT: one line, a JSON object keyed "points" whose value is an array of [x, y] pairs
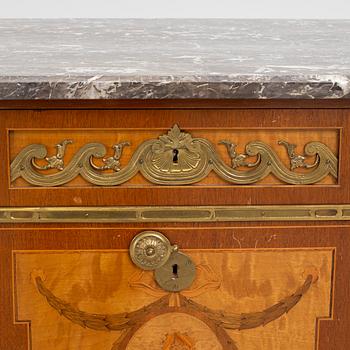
{"points": [[177, 273], [173, 271], [175, 156]]}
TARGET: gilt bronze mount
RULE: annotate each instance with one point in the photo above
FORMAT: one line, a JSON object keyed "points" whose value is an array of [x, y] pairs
{"points": [[175, 158]]}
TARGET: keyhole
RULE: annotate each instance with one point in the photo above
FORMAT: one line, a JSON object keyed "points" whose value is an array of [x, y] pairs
{"points": [[175, 271], [175, 156]]}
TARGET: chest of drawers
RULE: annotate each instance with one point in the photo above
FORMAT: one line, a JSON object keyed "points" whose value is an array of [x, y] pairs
{"points": [[209, 212], [265, 222]]}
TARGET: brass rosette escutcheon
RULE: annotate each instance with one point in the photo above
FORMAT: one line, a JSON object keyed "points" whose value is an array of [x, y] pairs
{"points": [[150, 250]]}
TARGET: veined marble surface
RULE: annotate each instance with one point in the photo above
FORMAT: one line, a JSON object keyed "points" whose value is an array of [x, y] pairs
{"points": [[174, 58]]}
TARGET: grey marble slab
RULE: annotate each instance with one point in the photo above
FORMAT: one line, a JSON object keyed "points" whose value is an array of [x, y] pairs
{"points": [[174, 58]]}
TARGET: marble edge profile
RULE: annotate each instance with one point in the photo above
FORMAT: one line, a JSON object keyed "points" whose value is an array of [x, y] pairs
{"points": [[175, 87]]}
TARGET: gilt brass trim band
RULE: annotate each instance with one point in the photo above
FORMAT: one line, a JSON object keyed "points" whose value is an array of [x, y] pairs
{"points": [[175, 214], [175, 158]]}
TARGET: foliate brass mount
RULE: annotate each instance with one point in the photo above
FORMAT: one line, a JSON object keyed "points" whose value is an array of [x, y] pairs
{"points": [[56, 161], [173, 271], [113, 162], [238, 160], [175, 158], [297, 160]]}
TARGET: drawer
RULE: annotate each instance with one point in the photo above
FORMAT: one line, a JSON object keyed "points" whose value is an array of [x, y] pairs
{"points": [[174, 157], [268, 287]]}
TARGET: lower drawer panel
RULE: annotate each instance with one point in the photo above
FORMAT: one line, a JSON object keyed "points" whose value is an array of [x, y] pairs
{"points": [[267, 287]]}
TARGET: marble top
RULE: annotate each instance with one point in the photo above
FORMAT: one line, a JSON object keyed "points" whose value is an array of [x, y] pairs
{"points": [[174, 58]]}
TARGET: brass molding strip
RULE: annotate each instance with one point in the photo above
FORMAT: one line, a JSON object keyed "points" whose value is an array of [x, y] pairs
{"points": [[175, 158], [174, 214]]}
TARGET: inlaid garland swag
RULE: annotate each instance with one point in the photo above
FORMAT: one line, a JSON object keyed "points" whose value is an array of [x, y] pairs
{"points": [[217, 320], [175, 158]]}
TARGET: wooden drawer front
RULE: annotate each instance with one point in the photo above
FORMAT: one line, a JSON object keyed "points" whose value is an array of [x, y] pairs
{"points": [[130, 157], [141, 158], [268, 287]]}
